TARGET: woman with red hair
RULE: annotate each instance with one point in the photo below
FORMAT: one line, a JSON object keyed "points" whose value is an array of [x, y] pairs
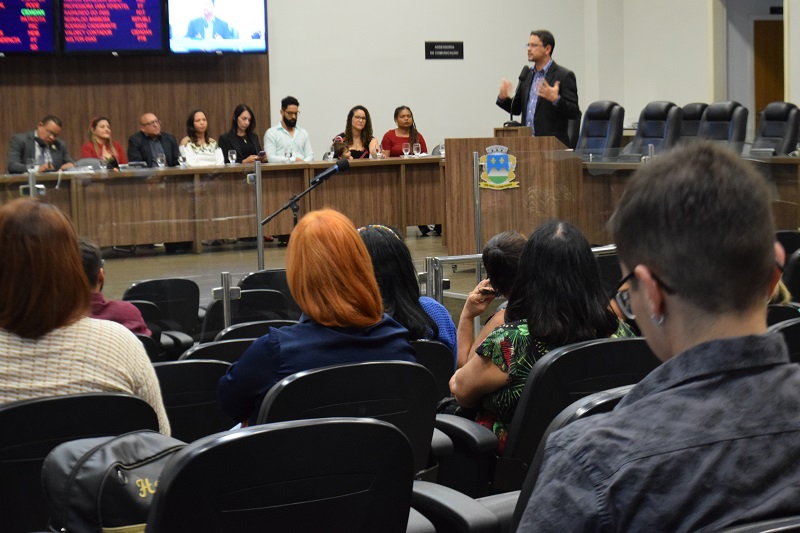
{"points": [[48, 344], [330, 276]]}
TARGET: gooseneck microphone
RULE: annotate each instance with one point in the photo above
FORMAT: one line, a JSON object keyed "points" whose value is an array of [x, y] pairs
{"points": [[340, 166], [522, 75]]}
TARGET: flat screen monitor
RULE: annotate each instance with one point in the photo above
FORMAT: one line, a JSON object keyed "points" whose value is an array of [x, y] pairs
{"points": [[217, 26], [112, 26], [26, 26]]}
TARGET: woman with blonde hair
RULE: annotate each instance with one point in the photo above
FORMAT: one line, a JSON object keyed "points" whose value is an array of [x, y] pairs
{"points": [[330, 276], [101, 146], [48, 344]]}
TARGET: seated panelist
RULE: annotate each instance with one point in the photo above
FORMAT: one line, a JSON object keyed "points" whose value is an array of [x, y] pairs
{"points": [[242, 137], [199, 149], [405, 132], [101, 146], [150, 142], [357, 134], [41, 146]]}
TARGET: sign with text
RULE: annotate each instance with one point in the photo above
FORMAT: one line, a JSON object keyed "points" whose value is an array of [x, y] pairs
{"points": [[26, 26], [444, 49]]}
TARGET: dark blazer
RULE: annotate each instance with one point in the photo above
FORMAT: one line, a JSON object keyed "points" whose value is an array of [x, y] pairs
{"points": [[548, 119], [22, 147], [197, 29], [139, 149]]}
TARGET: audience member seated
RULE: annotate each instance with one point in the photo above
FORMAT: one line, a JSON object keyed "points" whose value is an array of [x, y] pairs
{"points": [[286, 141], [500, 259], [557, 299], [48, 346], [357, 135], [330, 276], [197, 147], [151, 142], [42, 146], [406, 132], [100, 146], [708, 440], [242, 137], [423, 317], [124, 313]]}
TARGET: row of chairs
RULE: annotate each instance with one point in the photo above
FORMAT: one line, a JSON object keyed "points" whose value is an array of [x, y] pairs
{"points": [[664, 124]]}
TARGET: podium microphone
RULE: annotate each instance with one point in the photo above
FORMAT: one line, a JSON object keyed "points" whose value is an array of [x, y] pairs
{"points": [[340, 166], [522, 75]]}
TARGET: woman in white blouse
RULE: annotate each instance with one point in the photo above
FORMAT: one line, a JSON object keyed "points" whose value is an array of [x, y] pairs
{"points": [[197, 147]]}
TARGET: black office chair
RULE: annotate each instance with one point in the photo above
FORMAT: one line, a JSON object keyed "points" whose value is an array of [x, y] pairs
{"points": [[789, 239], [601, 133], [789, 524], [228, 350], [556, 380], [791, 275], [778, 128], [398, 392], [724, 122], [777, 313], [170, 343], [438, 359], [690, 120], [790, 329], [659, 126], [189, 391], [178, 299], [253, 305], [251, 330], [30, 429], [308, 475], [275, 280], [454, 512]]}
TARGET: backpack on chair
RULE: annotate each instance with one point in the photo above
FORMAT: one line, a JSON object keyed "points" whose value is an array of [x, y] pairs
{"points": [[105, 484]]}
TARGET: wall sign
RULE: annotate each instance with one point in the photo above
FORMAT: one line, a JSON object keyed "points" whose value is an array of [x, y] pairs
{"points": [[444, 49]]}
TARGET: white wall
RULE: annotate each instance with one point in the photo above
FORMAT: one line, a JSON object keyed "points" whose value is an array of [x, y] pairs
{"points": [[334, 56], [791, 45]]}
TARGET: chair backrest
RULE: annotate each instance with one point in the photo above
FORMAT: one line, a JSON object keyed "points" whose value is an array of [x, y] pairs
{"points": [[599, 402], [659, 125], [275, 280], [791, 275], [178, 299], [601, 133], [778, 128], [573, 131], [610, 271], [789, 239], [790, 329], [398, 392], [30, 429], [251, 330], [438, 359], [724, 121], [789, 524], [253, 305], [150, 346], [228, 350], [189, 390], [690, 120], [437, 150], [777, 313], [561, 377], [304, 476]]}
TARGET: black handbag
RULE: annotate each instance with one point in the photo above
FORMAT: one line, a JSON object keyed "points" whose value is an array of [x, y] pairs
{"points": [[92, 485]]}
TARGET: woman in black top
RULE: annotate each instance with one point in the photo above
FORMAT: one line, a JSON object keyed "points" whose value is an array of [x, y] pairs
{"points": [[358, 134], [242, 136]]}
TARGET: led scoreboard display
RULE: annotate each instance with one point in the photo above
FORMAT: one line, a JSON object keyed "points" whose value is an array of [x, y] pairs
{"points": [[112, 26], [26, 26]]}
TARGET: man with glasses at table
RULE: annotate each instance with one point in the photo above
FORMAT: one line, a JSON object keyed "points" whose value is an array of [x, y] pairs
{"points": [[547, 93], [150, 142], [710, 438], [42, 146], [286, 137]]}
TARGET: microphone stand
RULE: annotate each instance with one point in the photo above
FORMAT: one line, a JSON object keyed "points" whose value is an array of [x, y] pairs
{"points": [[292, 203]]}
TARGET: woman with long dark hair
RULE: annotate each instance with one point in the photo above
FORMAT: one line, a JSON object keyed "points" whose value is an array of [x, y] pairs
{"points": [[405, 132], [198, 147], [423, 317], [557, 299], [357, 135], [242, 137]]}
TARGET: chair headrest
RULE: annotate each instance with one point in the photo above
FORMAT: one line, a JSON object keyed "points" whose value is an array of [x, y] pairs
{"points": [[778, 110], [720, 111], [600, 109], [657, 110], [694, 111]]}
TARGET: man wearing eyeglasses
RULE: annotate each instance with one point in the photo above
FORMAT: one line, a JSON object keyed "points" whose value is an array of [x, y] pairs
{"points": [[150, 143], [547, 93], [710, 438], [41, 147], [286, 138]]}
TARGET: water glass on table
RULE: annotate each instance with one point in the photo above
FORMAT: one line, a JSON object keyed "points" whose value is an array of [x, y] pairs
{"points": [[406, 149], [30, 164], [161, 160], [289, 156], [417, 149], [232, 157]]}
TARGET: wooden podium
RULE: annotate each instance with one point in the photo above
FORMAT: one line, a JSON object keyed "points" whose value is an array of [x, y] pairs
{"points": [[549, 186]]}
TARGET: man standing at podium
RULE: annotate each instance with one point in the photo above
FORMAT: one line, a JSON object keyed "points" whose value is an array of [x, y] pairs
{"points": [[547, 93]]}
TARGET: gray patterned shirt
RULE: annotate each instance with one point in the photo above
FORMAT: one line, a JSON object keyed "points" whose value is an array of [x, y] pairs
{"points": [[709, 439]]}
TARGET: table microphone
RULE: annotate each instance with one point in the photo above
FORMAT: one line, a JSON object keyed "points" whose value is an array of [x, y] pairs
{"points": [[340, 166]]}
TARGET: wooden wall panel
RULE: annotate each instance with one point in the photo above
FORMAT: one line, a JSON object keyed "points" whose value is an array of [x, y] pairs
{"points": [[78, 88]]}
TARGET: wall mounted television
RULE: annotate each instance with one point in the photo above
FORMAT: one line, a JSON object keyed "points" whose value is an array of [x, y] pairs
{"points": [[112, 26], [217, 26], [26, 27]]}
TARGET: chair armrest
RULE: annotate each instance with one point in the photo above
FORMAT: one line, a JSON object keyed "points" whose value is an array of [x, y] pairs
{"points": [[471, 435], [441, 444], [450, 510], [502, 506], [417, 523]]}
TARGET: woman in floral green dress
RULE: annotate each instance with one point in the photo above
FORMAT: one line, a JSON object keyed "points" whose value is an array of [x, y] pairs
{"points": [[557, 299]]}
